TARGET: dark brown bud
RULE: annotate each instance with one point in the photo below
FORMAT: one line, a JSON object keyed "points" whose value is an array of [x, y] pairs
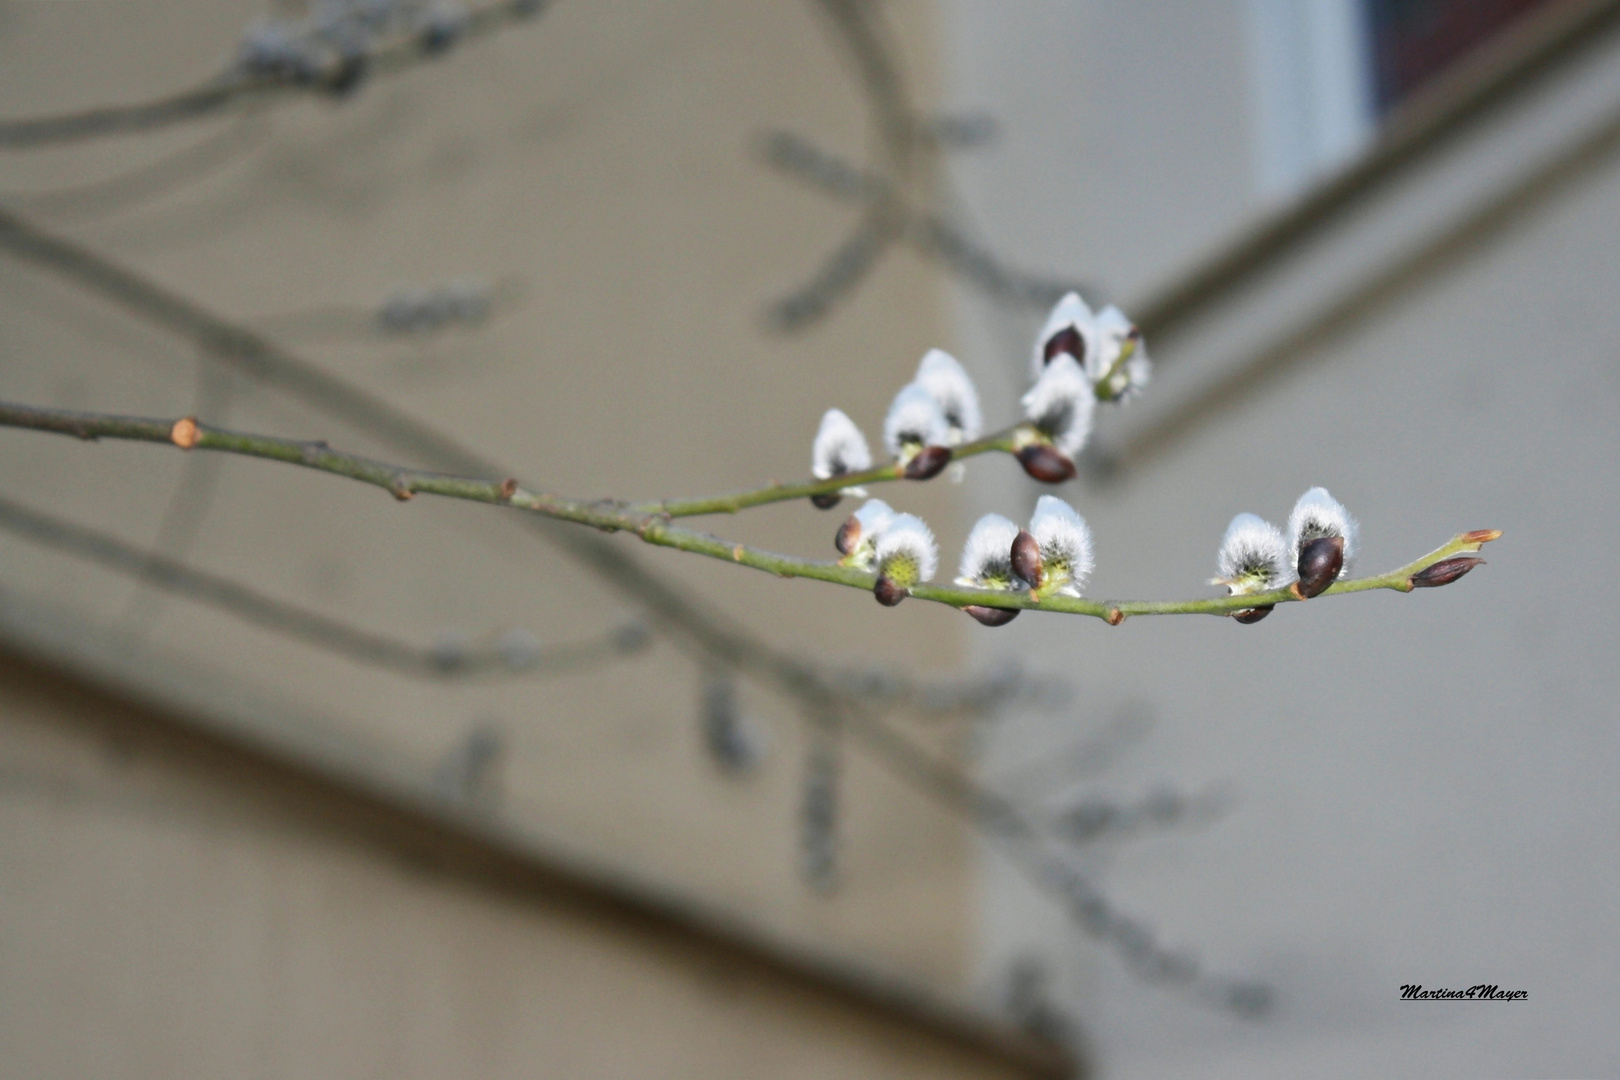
{"points": [[929, 463], [826, 501], [1067, 340], [1320, 561], [1046, 463], [992, 616], [1252, 615], [887, 592], [1026, 559], [1445, 571], [848, 535]]}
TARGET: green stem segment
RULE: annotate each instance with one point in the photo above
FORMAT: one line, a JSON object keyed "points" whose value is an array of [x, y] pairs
{"points": [[656, 526], [1005, 441]]}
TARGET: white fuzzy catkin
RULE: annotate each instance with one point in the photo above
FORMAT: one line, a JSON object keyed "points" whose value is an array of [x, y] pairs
{"points": [[839, 447], [1070, 311], [942, 376], [915, 420], [1253, 557], [1065, 543], [873, 517], [1061, 404], [906, 551], [1318, 514], [987, 555], [1114, 334]]}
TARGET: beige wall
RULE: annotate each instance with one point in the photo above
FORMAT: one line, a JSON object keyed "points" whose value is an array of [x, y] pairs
{"points": [[598, 158], [174, 908]]}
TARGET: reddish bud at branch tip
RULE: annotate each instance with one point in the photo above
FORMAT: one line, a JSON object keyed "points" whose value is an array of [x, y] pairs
{"points": [[1320, 561], [929, 463], [1046, 463], [1251, 615], [1445, 571], [887, 592], [991, 616], [1026, 559]]}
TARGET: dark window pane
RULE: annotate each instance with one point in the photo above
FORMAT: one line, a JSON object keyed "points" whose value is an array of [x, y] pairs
{"points": [[1415, 40]]}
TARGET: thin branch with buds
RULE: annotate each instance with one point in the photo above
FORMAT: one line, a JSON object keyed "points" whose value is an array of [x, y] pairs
{"points": [[705, 634], [656, 528]]}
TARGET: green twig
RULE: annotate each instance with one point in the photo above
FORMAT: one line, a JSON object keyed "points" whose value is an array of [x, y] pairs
{"points": [[777, 492], [656, 527]]}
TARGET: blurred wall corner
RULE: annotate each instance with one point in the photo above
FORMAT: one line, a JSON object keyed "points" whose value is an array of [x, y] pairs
{"points": [[1410, 301]]}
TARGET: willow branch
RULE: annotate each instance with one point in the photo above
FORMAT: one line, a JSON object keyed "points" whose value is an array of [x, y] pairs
{"points": [[775, 492], [347, 640], [656, 528], [214, 96]]}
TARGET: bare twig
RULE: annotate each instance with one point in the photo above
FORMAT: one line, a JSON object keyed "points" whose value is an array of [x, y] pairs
{"points": [[929, 232], [899, 192], [114, 193], [215, 96], [511, 655]]}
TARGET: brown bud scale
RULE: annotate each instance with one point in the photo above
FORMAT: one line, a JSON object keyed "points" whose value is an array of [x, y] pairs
{"points": [[1067, 340], [929, 463], [847, 536], [826, 501], [1115, 616], [1046, 463], [991, 616], [1482, 536], [887, 592], [1445, 571], [1026, 559], [1251, 615], [1320, 562], [509, 488]]}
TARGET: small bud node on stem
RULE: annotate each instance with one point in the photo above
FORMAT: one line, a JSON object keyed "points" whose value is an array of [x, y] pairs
{"points": [[509, 488], [1115, 616], [185, 434], [826, 501], [1251, 615], [1482, 536]]}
